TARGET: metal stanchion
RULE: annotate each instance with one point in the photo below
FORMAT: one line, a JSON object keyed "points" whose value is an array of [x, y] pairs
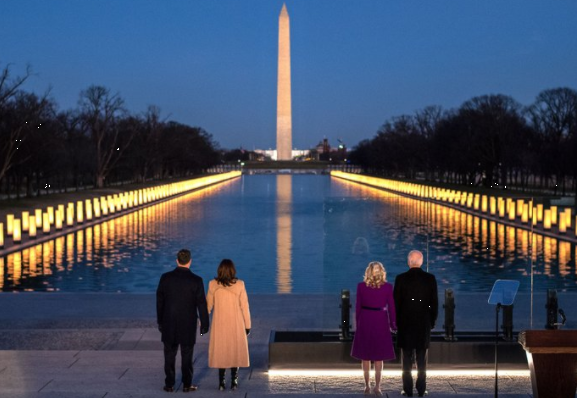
{"points": [[552, 307], [507, 325], [345, 325], [449, 307]]}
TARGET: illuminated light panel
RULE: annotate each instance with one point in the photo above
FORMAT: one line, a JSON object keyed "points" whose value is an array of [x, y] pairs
{"points": [[38, 216], [17, 232], [562, 225], [32, 229], [70, 215], [104, 205], [50, 211], [525, 214], [88, 207], [512, 212], [9, 224], [554, 217], [45, 223], [79, 212], [547, 219], [540, 212], [96, 206], [396, 373], [25, 221], [501, 205], [520, 204], [58, 217]]}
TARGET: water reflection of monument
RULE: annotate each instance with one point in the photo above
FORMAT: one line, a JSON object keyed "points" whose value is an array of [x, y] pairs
{"points": [[284, 233]]}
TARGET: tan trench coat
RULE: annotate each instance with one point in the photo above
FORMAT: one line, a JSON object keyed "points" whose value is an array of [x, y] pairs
{"points": [[228, 346]]}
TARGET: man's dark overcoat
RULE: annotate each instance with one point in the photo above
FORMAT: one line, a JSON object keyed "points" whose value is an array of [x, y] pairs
{"points": [[180, 301], [416, 302]]}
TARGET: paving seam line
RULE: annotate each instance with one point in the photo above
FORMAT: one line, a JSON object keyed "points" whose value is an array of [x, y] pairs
{"points": [[44, 386]]}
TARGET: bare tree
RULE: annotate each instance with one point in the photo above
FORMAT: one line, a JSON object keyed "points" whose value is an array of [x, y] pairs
{"points": [[554, 117], [426, 122], [100, 113], [10, 135], [147, 156]]}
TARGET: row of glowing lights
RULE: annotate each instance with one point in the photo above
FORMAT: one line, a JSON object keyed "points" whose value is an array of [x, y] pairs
{"points": [[504, 208], [72, 247], [74, 214], [508, 238]]}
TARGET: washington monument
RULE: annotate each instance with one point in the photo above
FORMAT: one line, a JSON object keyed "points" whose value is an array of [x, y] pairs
{"points": [[283, 112]]}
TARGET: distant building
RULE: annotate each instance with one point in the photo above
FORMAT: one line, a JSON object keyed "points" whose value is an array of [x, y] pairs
{"points": [[272, 153], [323, 146], [324, 151]]}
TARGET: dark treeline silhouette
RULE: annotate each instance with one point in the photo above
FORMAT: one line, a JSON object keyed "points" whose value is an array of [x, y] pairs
{"points": [[490, 140], [99, 143]]}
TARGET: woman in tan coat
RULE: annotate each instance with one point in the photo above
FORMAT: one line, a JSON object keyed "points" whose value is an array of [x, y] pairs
{"points": [[228, 302]]}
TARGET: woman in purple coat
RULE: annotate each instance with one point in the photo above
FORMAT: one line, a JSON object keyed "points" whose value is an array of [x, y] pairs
{"points": [[375, 319]]}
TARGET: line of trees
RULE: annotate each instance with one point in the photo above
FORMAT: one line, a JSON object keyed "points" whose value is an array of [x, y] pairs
{"points": [[96, 144], [489, 140]]}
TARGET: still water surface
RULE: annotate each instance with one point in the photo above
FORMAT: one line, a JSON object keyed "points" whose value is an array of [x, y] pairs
{"points": [[290, 234]]}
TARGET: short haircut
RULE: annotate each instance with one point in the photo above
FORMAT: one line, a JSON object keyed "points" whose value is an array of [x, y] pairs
{"points": [[183, 257], [415, 258]]}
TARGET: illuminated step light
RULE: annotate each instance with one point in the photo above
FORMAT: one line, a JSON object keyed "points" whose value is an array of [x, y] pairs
{"points": [[9, 224], [38, 215], [45, 224], [17, 233], [50, 211], [25, 221], [32, 229]]}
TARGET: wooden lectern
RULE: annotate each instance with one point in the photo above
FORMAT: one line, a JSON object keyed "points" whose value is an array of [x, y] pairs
{"points": [[552, 358]]}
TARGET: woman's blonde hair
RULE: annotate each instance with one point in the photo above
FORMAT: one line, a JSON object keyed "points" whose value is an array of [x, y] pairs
{"points": [[375, 275]]}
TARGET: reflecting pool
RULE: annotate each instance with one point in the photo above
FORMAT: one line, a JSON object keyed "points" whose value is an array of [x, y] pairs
{"points": [[291, 234]]}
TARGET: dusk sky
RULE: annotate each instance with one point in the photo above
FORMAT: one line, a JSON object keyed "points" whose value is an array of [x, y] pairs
{"points": [[355, 64]]}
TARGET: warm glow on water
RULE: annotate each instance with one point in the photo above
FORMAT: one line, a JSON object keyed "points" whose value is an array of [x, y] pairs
{"points": [[290, 234]]}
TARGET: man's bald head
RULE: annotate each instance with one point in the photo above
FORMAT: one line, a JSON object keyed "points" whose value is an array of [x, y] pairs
{"points": [[415, 259]]}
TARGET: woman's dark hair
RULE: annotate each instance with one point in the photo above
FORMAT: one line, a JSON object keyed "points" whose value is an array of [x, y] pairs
{"points": [[226, 273]]}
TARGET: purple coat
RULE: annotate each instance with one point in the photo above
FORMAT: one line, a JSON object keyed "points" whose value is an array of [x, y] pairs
{"points": [[375, 317]]}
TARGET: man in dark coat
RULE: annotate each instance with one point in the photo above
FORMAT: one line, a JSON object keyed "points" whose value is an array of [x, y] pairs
{"points": [[180, 302], [416, 302]]}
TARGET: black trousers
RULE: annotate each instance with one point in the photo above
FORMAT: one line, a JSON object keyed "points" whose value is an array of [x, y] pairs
{"points": [[409, 356], [170, 351]]}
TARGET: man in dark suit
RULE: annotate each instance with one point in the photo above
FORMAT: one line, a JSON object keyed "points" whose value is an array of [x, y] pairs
{"points": [[417, 304], [180, 302]]}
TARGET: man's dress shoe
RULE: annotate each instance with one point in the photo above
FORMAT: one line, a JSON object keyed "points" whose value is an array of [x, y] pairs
{"points": [[168, 389], [189, 388]]}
